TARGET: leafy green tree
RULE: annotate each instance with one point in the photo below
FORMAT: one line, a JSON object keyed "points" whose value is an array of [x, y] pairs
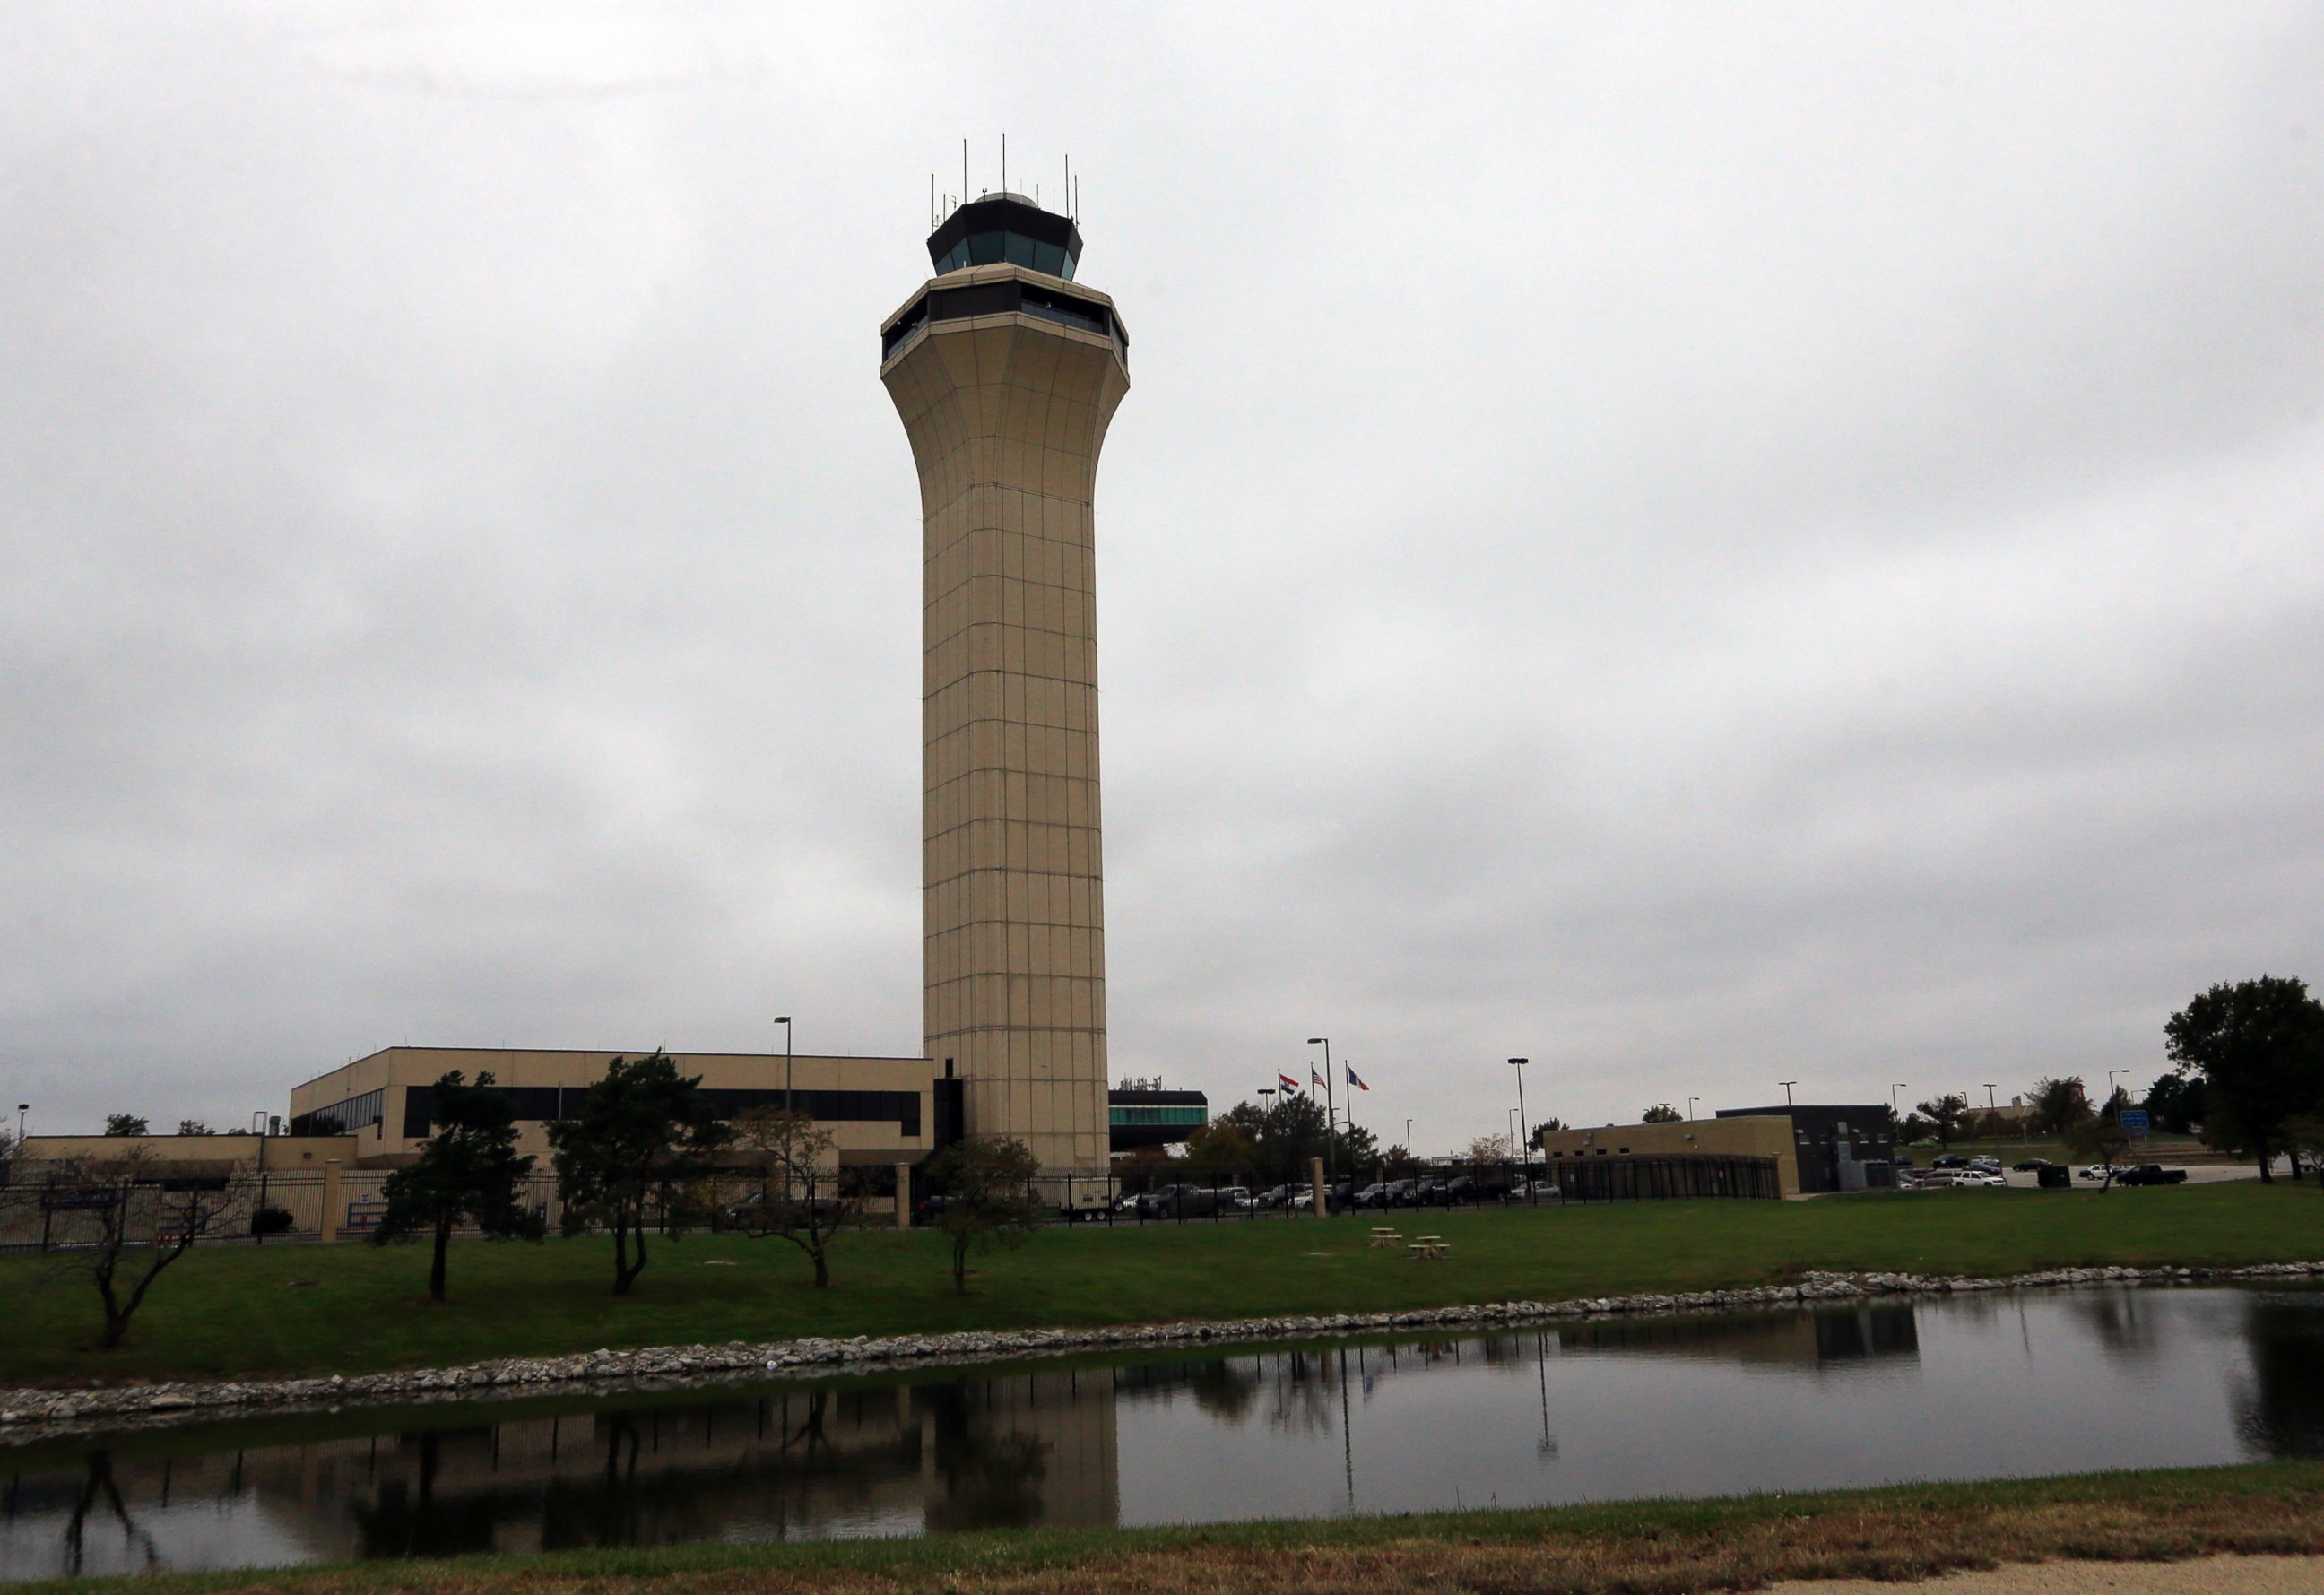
{"points": [[1219, 1148], [989, 1199], [194, 1127], [468, 1169], [1915, 1128], [126, 1124], [2175, 1102], [643, 1128], [1661, 1113], [2056, 1106], [1947, 1115], [799, 1196], [2259, 1046], [1544, 1127]]}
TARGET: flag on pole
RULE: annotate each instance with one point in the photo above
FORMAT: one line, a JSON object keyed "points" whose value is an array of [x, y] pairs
{"points": [[1355, 1081], [1289, 1083], [1316, 1079]]}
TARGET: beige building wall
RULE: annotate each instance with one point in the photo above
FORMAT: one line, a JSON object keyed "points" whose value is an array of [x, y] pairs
{"points": [[1006, 415], [1767, 1136], [380, 1140]]}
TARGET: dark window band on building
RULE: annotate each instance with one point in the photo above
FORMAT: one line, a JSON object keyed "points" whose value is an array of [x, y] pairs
{"points": [[1002, 298], [548, 1103], [356, 1112], [1004, 229]]}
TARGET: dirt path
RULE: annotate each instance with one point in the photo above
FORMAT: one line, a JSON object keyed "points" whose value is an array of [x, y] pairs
{"points": [[2207, 1575]]}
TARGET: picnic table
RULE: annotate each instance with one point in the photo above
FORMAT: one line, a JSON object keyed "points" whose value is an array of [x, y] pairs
{"points": [[1432, 1246], [1385, 1238]]}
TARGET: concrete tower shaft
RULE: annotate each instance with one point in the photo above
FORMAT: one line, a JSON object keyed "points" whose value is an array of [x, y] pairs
{"points": [[1006, 379]]}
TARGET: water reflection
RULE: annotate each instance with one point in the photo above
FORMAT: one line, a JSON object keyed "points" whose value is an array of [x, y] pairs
{"points": [[1693, 1405], [2281, 1413]]}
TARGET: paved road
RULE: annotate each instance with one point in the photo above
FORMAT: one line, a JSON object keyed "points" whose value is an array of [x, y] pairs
{"points": [[2198, 1173]]}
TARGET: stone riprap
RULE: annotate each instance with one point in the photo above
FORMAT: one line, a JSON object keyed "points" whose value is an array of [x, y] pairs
{"points": [[27, 1415]]}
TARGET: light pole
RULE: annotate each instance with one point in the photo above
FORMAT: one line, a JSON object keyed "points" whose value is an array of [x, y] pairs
{"points": [[1689, 1107], [1525, 1125], [1892, 1097], [2110, 1091], [1331, 1111], [1787, 1085], [790, 1104], [22, 1109], [1407, 1137], [1991, 1105]]}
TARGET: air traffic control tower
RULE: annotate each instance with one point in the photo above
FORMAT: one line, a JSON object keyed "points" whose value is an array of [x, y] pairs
{"points": [[1005, 372]]}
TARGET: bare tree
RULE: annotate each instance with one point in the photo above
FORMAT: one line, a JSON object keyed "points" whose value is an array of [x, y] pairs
{"points": [[798, 1195], [1488, 1150], [137, 1208]]}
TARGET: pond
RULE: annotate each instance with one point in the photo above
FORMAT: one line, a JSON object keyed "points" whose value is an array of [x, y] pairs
{"points": [[1972, 1386]]}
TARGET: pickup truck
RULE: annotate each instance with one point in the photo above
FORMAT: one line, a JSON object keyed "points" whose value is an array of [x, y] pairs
{"points": [[2151, 1173]]}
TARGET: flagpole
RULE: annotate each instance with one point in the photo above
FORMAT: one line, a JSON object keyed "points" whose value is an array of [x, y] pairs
{"points": [[1331, 1110]]}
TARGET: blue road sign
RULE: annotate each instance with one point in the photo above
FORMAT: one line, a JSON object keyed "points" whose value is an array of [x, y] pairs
{"points": [[2134, 1120]]}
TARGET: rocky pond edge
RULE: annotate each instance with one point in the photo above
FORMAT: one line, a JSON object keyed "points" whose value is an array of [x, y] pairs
{"points": [[32, 1414]]}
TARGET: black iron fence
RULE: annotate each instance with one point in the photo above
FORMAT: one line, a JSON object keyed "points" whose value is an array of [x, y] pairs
{"points": [[1171, 1196]]}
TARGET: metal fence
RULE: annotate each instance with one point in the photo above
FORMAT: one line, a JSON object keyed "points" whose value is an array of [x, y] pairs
{"points": [[46, 1215], [1167, 1195]]}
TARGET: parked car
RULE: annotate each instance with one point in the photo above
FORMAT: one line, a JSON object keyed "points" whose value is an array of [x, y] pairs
{"points": [[1373, 1195], [1991, 1164], [2100, 1171], [2151, 1173], [2031, 1164], [1990, 1179], [1431, 1193], [1178, 1201], [1949, 1160]]}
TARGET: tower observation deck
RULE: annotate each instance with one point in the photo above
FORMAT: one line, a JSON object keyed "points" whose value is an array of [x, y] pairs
{"points": [[1006, 374]]}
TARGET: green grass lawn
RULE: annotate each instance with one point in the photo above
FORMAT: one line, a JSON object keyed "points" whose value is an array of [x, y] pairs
{"points": [[243, 1311]]}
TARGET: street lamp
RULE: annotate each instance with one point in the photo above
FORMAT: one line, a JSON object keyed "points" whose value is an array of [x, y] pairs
{"points": [[1892, 1097], [1525, 1125], [1407, 1137], [790, 1105], [22, 1109], [1331, 1113], [1690, 1106], [1787, 1085], [1991, 1105], [2110, 1091]]}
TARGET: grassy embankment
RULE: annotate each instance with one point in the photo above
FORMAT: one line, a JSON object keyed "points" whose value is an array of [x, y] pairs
{"points": [[240, 1312], [1641, 1548]]}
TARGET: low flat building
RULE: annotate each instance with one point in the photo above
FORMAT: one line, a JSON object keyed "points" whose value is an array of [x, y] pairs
{"points": [[1835, 1146], [1684, 1137], [880, 1111], [1152, 1116]]}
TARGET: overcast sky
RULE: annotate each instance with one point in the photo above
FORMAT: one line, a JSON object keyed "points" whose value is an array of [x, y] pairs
{"points": [[1701, 545]]}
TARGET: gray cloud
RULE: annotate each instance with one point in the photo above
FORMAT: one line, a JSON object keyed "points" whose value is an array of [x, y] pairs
{"points": [[1700, 548]]}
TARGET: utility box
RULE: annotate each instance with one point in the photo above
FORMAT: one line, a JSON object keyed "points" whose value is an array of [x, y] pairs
{"points": [[2054, 1179]]}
